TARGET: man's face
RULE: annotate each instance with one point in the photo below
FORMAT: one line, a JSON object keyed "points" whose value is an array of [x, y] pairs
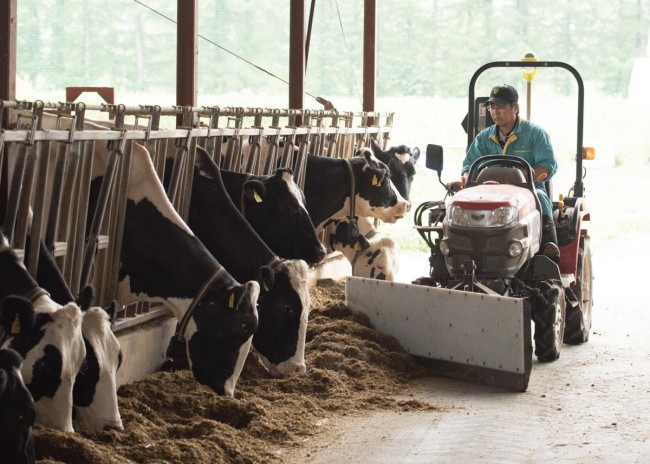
{"points": [[504, 115]]}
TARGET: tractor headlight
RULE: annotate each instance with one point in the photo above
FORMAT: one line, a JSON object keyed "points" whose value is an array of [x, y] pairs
{"points": [[515, 248], [458, 216], [503, 215], [499, 217]]}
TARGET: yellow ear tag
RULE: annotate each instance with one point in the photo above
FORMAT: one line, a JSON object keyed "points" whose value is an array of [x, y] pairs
{"points": [[231, 301], [357, 247], [257, 197], [15, 327], [374, 180]]}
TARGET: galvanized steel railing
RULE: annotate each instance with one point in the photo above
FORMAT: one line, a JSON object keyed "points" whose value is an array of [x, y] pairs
{"points": [[53, 146]]}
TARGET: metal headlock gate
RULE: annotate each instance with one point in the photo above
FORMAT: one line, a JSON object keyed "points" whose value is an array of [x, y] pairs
{"points": [[46, 164]]}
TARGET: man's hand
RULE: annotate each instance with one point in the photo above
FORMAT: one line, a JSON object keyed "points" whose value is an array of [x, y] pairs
{"points": [[456, 185]]}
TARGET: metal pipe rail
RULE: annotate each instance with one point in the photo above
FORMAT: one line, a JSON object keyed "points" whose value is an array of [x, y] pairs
{"points": [[52, 168]]}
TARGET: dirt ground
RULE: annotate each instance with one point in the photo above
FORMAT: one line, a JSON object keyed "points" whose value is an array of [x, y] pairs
{"points": [[590, 406]]}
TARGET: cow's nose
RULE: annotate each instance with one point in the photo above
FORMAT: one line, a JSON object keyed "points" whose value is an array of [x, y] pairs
{"points": [[114, 425]]}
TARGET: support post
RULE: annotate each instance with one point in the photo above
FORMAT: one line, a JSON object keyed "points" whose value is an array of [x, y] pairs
{"points": [[369, 56], [297, 56], [8, 24], [187, 52]]}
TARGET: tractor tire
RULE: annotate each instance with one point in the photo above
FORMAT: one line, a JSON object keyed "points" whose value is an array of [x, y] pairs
{"points": [[549, 315], [578, 319]]}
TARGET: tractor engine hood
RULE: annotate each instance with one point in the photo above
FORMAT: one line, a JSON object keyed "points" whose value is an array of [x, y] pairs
{"points": [[492, 196]]}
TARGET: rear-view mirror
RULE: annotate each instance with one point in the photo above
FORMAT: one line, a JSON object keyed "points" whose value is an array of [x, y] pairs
{"points": [[434, 158]]}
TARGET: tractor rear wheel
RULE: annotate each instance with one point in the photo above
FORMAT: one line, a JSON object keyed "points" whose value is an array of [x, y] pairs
{"points": [[548, 315], [578, 319]]}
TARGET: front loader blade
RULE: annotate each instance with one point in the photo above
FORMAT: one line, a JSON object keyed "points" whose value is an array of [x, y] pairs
{"points": [[465, 335]]}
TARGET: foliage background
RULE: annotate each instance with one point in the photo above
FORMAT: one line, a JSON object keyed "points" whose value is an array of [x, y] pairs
{"points": [[427, 51]]}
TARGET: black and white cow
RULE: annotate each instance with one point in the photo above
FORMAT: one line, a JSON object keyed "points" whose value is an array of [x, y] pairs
{"points": [[401, 164], [17, 412], [371, 254], [163, 261], [95, 387], [47, 335], [275, 206], [328, 186], [284, 300]]}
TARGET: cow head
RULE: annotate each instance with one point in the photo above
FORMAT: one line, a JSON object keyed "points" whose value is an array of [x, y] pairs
{"points": [[376, 195], [275, 208], [220, 339], [17, 412], [284, 310], [371, 254], [95, 388], [401, 164], [53, 351]]}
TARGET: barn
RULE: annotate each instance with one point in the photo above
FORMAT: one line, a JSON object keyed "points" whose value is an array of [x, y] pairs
{"points": [[171, 264]]}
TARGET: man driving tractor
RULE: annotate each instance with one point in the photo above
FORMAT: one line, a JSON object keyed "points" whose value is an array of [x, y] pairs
{"points": [[512, 135]]}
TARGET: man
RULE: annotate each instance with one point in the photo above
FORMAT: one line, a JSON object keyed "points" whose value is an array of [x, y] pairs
{"points": [[513, 136]]}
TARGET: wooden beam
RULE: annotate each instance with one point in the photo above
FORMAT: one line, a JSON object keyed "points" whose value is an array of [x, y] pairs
{"points": [[8, 23], [369, 54], [187, 53], [297, 55]]}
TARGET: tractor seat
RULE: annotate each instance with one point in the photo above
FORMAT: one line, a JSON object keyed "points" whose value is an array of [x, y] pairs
{"points": [[501, 175]]}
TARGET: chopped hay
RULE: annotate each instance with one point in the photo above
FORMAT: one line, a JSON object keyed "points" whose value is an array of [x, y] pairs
{"points": [[170, 418]]}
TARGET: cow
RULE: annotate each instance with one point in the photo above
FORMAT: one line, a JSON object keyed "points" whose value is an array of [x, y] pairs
{"points": [[163, 261], [275, 207], [371, 254], [94, 393], [401, 164], [329, 183], [283, 305], [17, 413], [47, 335]]}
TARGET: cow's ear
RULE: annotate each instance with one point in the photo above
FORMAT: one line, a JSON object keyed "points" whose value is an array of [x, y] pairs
{"points": [[86, 297], [111, 310], [205, 164], [254, 191], [376, 149], [266, 278], [16, 315], [415, 154]]}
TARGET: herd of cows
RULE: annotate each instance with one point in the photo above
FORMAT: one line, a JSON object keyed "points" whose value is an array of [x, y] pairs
{"points": [[235, 274]]}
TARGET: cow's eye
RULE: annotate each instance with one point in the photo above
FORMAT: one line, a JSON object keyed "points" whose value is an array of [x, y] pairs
{"points": [[290, 309]]}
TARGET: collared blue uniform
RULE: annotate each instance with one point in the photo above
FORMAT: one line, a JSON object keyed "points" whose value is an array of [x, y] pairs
{"points": [[526, 140]]}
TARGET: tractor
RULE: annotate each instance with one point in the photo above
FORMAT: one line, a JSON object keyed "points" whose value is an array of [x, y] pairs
{"points": [[488, 283]]}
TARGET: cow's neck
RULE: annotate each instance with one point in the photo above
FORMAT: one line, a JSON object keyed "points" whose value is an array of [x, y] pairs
{"points": [[224, 231], [327, 189]]}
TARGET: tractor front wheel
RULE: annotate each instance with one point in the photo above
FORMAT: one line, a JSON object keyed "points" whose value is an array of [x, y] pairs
{"points": [[548, 314]]}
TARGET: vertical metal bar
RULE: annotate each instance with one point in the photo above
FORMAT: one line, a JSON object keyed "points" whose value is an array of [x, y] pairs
{"points": [[56, 195], [38, 205], [117, 235], [25, 199], [17, 178], [297, 55], [98, 217], [68, 206], [80, 220]]}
